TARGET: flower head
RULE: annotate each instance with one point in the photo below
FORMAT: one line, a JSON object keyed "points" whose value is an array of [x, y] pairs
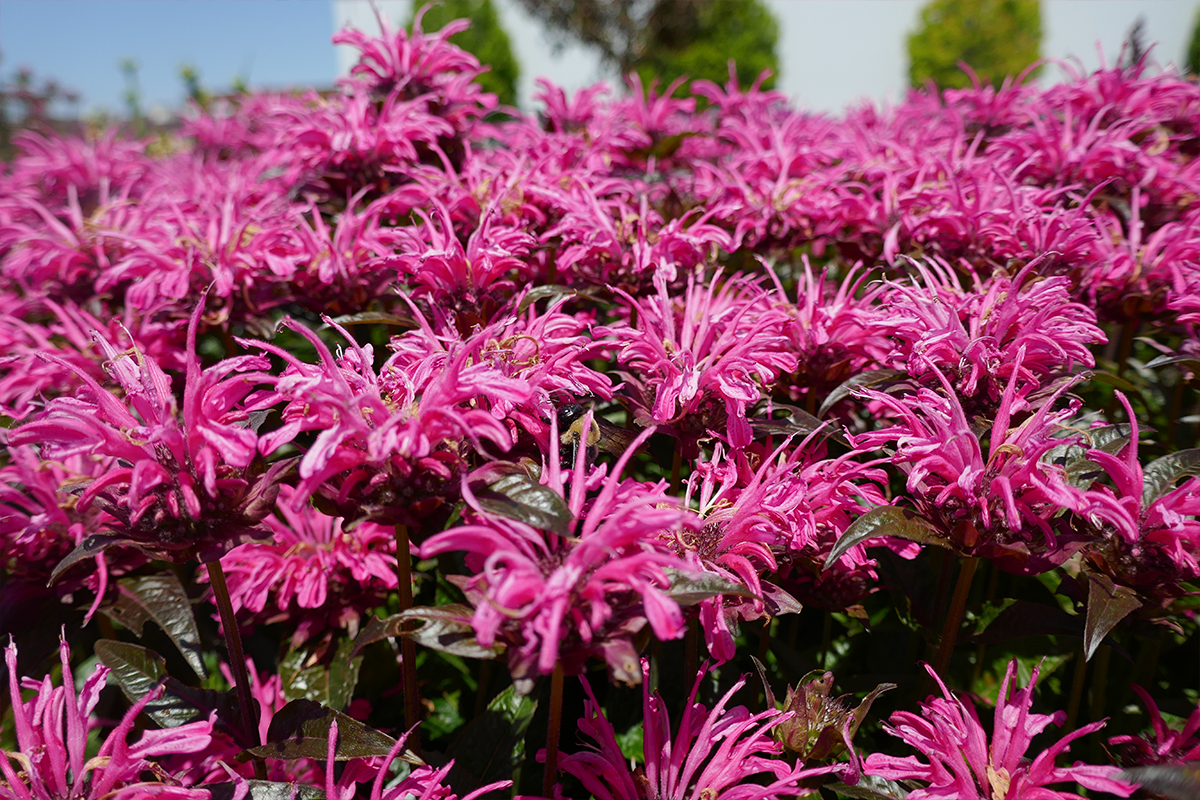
{"points": [[719, 753], [51, 731], [961, 763]]}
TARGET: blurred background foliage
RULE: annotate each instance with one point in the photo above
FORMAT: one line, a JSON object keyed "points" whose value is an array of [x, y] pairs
{"points": [[997, 38]]}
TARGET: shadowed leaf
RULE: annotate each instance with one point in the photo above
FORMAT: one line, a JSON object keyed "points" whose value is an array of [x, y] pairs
{"points": [[301, 730], [373, 318], [1026, 618], [901, 523], [330, 684], [788, 420], [89, 548], [160, 599], [1107, 605], [493, 744]]}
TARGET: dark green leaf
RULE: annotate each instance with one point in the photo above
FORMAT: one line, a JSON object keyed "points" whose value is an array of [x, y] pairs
{"points": [[870, 787], [301, 730], [160, 599], [901, 523], [552, 291], [863, 379], [689, 588], [1159, 475], [493, 744], [1192, 362], [1172, 781], [266, 790], [373, 318], [789, 420], [1115, 381], [137, 670], [1108, 604], [330, 684], [509, 490], [860, 713]]}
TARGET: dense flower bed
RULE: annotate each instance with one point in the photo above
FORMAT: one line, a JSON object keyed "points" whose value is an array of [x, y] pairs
{"points": [[396, 406]]}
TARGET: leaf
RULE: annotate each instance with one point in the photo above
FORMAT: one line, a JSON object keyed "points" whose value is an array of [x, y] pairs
{"points": [[902, 523], [139, 671], [870, 787], [447, 628], [860, 713], [90, 547], [861, 380], [160, 599], [265, 790], [1115, 381], [689, 588], [1192, 362], [512, 492], [373, 318], [493, 744], [1108, 604], [768, 693], [1026, 618], [778, 601], [1172, 781], [793, 421], [330, 684], [553, 291], [301, 730], [1159, 475]]}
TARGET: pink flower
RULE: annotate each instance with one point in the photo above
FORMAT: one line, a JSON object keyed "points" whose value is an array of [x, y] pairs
{"points": [[184, 486], [552, 597], [961, 765], [719, 753], [700, 360], [313, 573], [389, 443], [1003, 505], [1163, 745], [52, 730]]}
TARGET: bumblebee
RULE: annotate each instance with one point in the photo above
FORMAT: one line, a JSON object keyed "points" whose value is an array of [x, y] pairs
{"points": [[602, 436]]}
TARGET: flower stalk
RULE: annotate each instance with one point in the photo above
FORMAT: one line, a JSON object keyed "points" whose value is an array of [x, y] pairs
{"points": [[408, 648], [958, 605], [553, 727], [237, 659]]}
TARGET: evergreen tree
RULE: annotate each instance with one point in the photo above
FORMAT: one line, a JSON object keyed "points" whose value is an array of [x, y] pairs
{"points": [[1192, 61], [996, 38], [668, 38], [486, 39]]}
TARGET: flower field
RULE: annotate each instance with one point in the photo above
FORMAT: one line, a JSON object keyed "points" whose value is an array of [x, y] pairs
{"points": [[389, 443]]}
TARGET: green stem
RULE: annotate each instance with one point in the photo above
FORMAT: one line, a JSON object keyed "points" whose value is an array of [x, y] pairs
{"points": [[552, 729], [408, 648], [954, 617], [826, 639], [237, 660]]}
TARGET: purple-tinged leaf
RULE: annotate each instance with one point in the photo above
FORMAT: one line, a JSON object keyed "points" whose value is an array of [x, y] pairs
{"points": [[264, 790], [689, 588], [1108, 603], [447, 628]]}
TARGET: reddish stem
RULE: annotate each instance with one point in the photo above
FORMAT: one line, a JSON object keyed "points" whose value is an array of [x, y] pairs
{"points": [[237, 660]]}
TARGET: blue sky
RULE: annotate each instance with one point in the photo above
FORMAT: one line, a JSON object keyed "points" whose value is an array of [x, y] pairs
{"points": [[832, 52]]}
